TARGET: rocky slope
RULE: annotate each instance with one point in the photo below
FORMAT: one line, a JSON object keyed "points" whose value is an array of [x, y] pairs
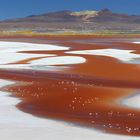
{"points": [[68, 21]]}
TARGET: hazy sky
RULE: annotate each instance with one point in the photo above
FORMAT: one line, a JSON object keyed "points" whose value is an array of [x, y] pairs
{"points": [[20, 8]]}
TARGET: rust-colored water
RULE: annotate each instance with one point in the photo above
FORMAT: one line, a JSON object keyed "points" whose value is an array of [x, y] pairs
{"points": [[87, 94]]}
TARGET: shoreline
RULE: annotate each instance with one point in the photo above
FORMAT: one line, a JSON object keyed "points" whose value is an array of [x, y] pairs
{"points": [[26, 126], [71, 102]]}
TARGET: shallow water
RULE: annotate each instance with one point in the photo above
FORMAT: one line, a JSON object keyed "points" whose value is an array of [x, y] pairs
{"points": [[89, 85]]}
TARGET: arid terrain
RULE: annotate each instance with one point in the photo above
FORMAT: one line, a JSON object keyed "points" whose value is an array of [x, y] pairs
{"points": [[69, 22]]}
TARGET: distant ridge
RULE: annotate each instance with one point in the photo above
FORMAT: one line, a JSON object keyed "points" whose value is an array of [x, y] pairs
{"points": [[79, 21], [67, 15]]}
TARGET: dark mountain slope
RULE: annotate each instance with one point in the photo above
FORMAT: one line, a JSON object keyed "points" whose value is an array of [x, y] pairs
{"points": [[67, 21]]}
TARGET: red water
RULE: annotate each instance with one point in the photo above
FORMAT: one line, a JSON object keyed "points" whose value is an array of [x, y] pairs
{"points": [[87, 94]]}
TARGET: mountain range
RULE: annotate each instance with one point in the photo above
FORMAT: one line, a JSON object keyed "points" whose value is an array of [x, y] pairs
{"points": [[75, 22]]}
